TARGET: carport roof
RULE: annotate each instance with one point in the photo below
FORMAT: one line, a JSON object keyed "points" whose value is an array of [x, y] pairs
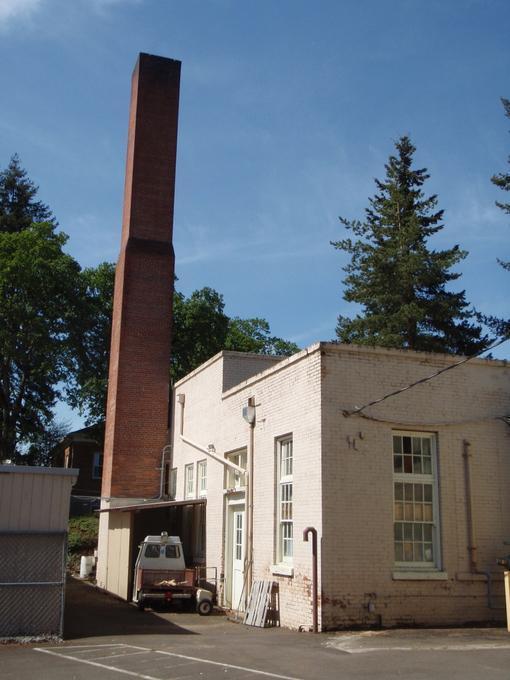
{"points": [[149, 505]]}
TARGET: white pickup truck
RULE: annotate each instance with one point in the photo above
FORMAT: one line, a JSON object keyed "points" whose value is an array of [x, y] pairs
{"points": [[161, 575]]}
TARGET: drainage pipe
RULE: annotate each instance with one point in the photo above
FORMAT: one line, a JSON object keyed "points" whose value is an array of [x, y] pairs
{"points": [[471, 528], [311, 530], [249, 503], [167, 447], [211, 452]]}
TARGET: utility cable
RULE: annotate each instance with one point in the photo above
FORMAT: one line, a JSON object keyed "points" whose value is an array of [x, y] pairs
{"points": [[359, 409]]}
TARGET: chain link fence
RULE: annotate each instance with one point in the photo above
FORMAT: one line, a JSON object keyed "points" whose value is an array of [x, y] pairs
{"points": [[32, 581]]}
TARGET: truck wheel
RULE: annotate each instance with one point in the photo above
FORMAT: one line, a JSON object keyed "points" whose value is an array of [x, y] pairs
{"points": [[140, 603], [204, 608]]}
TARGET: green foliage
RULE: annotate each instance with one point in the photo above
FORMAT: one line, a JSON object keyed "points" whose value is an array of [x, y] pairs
{"points": [[42, 444], [254, 335], [38, 292], [83, 531], [18, 209], [501, 327], [502, 180], [90, 339], [55, 326], [398, 280], [201, 329]]}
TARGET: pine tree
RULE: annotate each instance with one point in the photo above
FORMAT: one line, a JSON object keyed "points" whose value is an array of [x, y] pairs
{"points": [[18, 209], [502, 180], [400, 282]]}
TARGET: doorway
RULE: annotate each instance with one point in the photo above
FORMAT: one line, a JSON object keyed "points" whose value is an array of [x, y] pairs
{"points": [[236, 555]]}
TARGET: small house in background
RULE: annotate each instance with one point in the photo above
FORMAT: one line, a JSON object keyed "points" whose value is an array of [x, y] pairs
{"points": [[83, 451], [34, 512]]}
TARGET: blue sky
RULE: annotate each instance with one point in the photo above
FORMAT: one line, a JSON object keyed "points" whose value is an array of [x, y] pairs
{"points": [[289, 109]]}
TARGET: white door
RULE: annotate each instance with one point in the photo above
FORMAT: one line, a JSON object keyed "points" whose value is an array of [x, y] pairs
{"points": [[238, 544]]}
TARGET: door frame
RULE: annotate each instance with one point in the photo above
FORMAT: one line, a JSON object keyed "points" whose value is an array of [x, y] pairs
{"points": [[235, 503]]}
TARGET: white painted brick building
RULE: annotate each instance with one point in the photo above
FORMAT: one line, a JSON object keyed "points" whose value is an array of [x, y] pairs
{"points": [[411, 500]]}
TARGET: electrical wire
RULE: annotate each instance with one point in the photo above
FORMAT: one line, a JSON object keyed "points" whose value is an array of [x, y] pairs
{"points": [[434, 423], [359, 409]]}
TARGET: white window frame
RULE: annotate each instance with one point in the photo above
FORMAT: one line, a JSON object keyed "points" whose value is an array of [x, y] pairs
{"points": [[97, 464], [284, 501], [202, 478], [405, 514], [189, 480], [236, 481]]}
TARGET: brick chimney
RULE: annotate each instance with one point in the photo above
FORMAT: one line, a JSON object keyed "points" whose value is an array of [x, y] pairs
{"points": [[138, 391]]}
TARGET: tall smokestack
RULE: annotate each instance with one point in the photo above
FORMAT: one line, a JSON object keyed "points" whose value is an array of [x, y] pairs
{"points": [[138, 390]]}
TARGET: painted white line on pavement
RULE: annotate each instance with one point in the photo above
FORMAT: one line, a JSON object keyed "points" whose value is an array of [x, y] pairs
{"points": [[425, 648], [98, 665], [113, 644], [114, 656], [228, 665], [156, 651]]}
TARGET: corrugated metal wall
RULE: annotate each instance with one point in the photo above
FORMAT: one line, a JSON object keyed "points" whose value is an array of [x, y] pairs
{"points": [[34, 499], [34, 513]]}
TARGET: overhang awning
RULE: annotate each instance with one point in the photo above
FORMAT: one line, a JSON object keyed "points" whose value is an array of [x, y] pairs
{"points": [[150, 505]]}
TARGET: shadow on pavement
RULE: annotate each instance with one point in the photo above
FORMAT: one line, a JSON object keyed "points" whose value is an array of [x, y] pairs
{"points": [[90, 612]]}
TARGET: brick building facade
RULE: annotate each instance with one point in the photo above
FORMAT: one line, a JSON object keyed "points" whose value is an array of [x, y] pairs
{"points": [[410, 500]]}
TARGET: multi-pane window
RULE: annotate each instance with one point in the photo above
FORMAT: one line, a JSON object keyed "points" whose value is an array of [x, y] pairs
{"points": [[202, 477], [415, 489], [236, 480], [189, 485], [97, 466], [238, 536], [284, 493]]}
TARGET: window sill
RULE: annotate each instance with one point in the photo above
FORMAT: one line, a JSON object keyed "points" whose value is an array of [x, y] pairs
{"points": [[415, 575], [282, 570]]}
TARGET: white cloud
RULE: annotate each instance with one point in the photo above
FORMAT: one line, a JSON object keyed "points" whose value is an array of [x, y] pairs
{"points": [[17, 9]]}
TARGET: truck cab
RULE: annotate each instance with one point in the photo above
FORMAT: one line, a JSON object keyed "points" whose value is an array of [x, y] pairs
{"points": [[161, 575]]}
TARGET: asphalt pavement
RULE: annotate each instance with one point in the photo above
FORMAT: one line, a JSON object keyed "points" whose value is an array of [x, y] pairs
{"points": [[107, 639]]}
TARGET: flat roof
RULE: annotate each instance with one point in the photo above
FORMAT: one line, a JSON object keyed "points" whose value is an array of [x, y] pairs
{"points": [[39, 470], [150, 505]]}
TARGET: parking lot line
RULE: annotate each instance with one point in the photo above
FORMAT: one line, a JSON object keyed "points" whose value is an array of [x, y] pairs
{"points": [[228, 665], [115, 656], [142, 650], [98, 665]]}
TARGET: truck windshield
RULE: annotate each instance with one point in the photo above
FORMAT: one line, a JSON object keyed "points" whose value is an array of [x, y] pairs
{"points": [[172, 551], [152, 551]]}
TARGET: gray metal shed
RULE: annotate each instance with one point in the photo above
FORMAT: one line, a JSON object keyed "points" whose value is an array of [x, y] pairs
{"points": [[34, 514]]}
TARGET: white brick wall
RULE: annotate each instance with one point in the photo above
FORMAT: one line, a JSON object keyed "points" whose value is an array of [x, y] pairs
{"points": [[358, 476], [343, 478]]}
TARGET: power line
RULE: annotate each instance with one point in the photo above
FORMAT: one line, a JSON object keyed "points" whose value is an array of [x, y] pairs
{"points": [[359, 409]]}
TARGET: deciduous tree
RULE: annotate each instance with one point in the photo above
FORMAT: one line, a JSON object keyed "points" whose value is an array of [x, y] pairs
{"points": [[90, 341], [38, 291]]}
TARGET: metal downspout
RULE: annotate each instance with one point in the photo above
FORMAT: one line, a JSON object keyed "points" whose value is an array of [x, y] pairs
{"points": [[315, 617], [249, 507], [472, 548]]}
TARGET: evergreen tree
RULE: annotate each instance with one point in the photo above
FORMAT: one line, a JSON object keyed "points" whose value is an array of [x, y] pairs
{"points": [[500, 327], [502, 180], [18, 207], [400, 282]]}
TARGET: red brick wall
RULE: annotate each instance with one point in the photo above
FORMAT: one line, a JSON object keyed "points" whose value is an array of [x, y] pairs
{"points": [[137, 410]]}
